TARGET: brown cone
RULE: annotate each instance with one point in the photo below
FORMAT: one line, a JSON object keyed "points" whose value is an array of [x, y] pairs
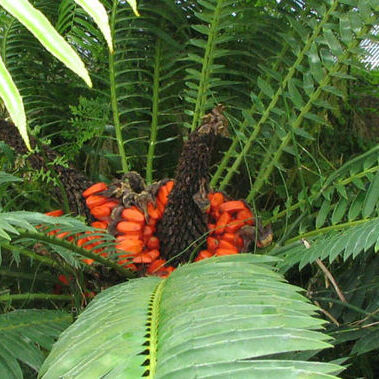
{"points": [[184, 223]]}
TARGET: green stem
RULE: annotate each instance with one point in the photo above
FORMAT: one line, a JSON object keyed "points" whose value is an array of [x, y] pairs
{"points": [[37, 257], [278, 249], [274, 101], [207, 66], [328, 229], [298, 160], [78, 250], [115, 111], [34, 296], [287, 210], [155, 314], [154, 121], [359, 175]]}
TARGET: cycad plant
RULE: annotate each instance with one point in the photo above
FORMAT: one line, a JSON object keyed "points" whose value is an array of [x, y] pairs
{"points": [[284, 71]]}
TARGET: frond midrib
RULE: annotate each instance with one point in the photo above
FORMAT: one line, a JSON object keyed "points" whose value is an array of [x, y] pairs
{"points": [[154, 325]]}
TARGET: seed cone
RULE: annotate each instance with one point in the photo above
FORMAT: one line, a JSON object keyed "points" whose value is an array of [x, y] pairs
{"points": [[184, 222]]}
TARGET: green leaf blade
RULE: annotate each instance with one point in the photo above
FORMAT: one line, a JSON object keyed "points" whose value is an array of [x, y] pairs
{"points": [[206, 316], [13, 102], [97, 11], [322, 214], [372, 197], [339, 211], [119, 334], [133, 5], [42, 29]]}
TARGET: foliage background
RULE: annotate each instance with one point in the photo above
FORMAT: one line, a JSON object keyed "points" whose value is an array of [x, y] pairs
{"points": [[303, 145]]}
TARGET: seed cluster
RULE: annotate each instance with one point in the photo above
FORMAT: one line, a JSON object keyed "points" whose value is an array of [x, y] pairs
{"points": [[135, 230], [230, 228], [135, 233], [229, 221]]}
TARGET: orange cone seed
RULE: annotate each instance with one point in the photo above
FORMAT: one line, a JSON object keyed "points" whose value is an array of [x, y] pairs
{"points": [[128, 226], [232, 206], [246, 216], [153, 211], [100, 224], [133, 214], [222, 222], [153, 243], [100, 212], [227, 245], [96, 188], [130, 245], [203, 254], [163, 195], [56, 213], [221, 252], [95, 200], [216, 199], [139, 247]]}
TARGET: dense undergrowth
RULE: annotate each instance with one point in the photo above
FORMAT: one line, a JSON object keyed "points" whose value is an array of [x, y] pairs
{"points": [[302, 149]]}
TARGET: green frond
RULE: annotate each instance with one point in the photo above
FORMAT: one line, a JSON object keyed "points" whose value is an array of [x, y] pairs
{"points": [[24, 229], [10, 220], [41, 107], [225, 316], [29, 220], [26, 336], [348, 194], [13, 102], [97, 11], [223, 64], [271, 73], [66, 14], [316, 55], [342, 240], [364, 339], [144, 72], [366, 343]]}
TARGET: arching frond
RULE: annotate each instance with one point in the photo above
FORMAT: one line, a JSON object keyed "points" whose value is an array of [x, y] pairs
{"points": [[345, 240], [348, 194], [216, 317], [39, 25], [61, 234], [147, 74], [223, 54], [288, 107]]}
